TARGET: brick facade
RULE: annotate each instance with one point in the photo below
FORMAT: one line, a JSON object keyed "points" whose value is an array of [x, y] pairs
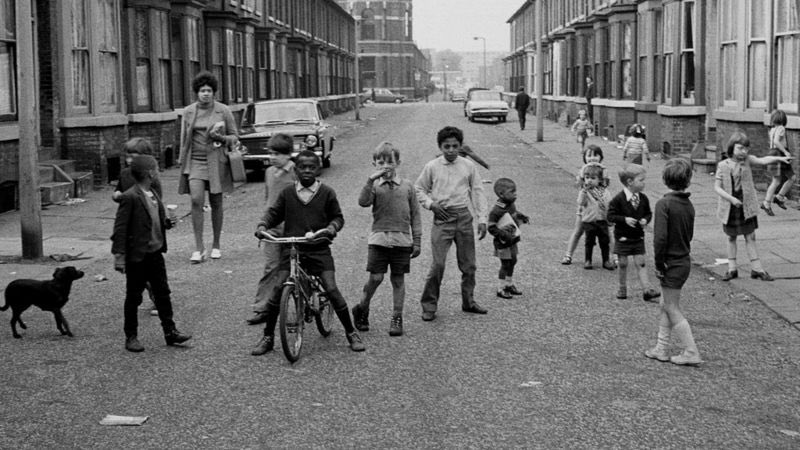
{"points": [[681, 132]]}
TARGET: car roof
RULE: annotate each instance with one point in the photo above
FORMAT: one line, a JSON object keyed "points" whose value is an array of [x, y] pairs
{"points": [[287, 100]]}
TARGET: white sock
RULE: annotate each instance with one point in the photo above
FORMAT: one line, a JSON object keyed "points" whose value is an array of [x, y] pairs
{"points": [[663, 338], [509, 281], [684, 333]]}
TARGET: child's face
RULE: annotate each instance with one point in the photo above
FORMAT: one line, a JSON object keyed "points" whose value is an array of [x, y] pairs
{"points": [[591, 181], [637, 184], [279, 159], [593, 157], [388, 165], [129, 157], [450, 148], [508, 195], [740, 152], [306, 170], [581, 115]]}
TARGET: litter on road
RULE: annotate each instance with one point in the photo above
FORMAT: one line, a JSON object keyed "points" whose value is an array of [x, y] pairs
{"points": [[112, 420]]}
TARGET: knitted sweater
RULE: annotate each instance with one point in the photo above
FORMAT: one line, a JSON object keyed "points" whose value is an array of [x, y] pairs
{"points": [[394, 207], [673, 228], [620, 208]]}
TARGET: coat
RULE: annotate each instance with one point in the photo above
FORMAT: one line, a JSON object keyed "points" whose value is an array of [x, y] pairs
{"points": [[133, 225], [220, 178], [749, 200]]}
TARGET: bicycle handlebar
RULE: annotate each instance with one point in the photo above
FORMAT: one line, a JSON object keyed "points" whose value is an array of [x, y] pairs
{"points": [[310, 238]]}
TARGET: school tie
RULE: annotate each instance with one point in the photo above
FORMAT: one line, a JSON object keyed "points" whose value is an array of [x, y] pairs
{"points": [[635, 201]]}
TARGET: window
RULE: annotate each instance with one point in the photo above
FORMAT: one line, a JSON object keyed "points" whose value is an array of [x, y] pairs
{"points": [[193, 46], [687, 54], [787, 54], [658, 64], [757, 55], [141, 44], [670, 27], [728, 16], [367, 24], [645, 44], [108, 48], [163, 81], [249, 84], [178, 81], [215, 54], [80, 56], [627, 54], [262, 68], [8, 58]]}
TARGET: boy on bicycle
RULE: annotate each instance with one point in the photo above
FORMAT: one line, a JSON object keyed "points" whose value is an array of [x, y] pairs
{"points": [[307, 206], [395, 237]]}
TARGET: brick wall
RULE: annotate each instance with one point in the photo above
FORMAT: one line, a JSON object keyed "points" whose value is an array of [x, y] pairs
{"points": [[91, 147], [9, 160], [652, 122], [161, 135], [680, 132]]}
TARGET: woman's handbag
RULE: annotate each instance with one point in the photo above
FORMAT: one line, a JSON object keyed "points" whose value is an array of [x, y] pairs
{"points": [[237, 163]]}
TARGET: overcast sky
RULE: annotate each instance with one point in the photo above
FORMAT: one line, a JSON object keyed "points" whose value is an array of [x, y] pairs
{"points": [[443, 24]]}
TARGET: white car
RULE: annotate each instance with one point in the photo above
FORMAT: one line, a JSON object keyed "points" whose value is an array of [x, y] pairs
{"points": [[486, 104]]}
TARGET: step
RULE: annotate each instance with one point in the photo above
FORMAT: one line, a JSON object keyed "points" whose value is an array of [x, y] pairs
{"points": [[46, 173], [84, 182], [712, 152], [67, 165], [55, 191], [706, 165]]}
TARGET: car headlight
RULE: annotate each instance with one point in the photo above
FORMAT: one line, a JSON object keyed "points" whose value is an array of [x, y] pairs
{"points": [[311, 140]]}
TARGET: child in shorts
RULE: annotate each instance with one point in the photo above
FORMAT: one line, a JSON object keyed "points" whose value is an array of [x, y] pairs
{"points": [[673, 227], [506, 236], [396, 234], [581, 127]]}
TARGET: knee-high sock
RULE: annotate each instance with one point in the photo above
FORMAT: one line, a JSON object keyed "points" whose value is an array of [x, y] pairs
{"points": [[662, 344], [684, 333]]}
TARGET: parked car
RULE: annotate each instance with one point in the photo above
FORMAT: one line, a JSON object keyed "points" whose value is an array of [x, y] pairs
{"points": [[458, 95], [300, 118], [383, 95], [469, 92], [486, 104]]}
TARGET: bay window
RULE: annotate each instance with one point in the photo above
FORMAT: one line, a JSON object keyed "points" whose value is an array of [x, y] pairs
{"points": [[8, 58], [729, 36], [787, 55], [757, 55]]}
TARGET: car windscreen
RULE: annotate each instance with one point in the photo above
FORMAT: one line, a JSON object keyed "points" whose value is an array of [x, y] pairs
{"points": [[485, 95], [284, 112]]}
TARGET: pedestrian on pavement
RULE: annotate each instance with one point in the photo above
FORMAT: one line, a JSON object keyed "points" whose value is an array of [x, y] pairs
{"points": [[395, 237], [589, 96], [581, 128], [307, 206], [630, 212], [139, 242], [132, 148], [737, 207], [593, 201], [593, 155], [782, 174], [521, 103], [504, 220], [205, 166], [635, 147], [448, 185], [673, 227], [279, 175]]}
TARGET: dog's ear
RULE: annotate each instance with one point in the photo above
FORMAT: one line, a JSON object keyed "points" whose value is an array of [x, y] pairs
{"points": [[57, 273]]}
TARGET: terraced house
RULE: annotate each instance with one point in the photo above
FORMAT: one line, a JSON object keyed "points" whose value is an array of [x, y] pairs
{"points": [[692, 71], [109, 70]]}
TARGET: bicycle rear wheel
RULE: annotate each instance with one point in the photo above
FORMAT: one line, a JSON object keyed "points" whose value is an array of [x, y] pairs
{"points": [[291, 322], [324, 316]]}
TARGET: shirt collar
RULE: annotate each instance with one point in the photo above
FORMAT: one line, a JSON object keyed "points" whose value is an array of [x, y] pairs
{"points": [[394, 180], [288, 167], [446, 162], [313, 188], [628, 193]]}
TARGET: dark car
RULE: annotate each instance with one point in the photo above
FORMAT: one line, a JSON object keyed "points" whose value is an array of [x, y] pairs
{"points": [[300, 118], [383, 95]]}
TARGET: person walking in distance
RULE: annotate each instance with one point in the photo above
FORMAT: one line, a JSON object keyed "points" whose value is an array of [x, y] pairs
{"points": [[448, 185], [521, 103], [589, 95]]}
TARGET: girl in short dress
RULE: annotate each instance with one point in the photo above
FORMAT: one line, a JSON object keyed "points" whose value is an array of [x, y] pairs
{"points": [[737, 207], [780, 172]]}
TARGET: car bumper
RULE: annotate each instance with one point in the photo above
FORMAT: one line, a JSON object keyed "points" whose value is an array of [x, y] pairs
{"points": [[488, 113]]}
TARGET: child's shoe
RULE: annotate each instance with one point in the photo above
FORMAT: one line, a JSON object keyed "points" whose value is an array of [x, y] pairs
{"points": [[767, 208], [174, 337], [657, 353], [779, 200], [132, 344], [608, 265], [265, 344], [731, 274], [513, 290], [763, 276], [396, 326], [566, 260], [356, 344], [198, 257], [587, 265], [503, 293], [361, 318], [650, 295], [686, 359], [622, 292]]}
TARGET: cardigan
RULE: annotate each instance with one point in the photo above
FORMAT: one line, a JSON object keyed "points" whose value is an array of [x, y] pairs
{"points": [[673, 228], [394, 207], [749, 200], [619, 208], [220, 178]]}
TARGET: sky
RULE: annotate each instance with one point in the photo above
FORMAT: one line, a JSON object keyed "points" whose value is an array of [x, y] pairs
{"points": [[451, 24]]}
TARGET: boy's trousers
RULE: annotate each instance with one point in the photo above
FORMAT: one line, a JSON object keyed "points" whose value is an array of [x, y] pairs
{"points": [[150, 269], [458, 229], [268, 281]]}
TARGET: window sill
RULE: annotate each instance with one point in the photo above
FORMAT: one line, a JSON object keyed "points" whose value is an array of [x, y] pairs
{"points": [[152, 117], [109, 120], [673, 111], [613, 103], [739, 116], [9, 132]]}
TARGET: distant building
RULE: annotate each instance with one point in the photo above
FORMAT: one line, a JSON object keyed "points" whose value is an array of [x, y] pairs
{"points": [[111, 70], [472, 68], [388, 56], [692, 71]]}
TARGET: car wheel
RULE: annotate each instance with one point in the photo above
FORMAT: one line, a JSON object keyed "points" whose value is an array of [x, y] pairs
{"points": [[471, 118]]}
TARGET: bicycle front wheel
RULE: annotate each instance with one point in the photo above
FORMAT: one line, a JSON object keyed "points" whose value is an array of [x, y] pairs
{"points": [[291, 322], [324, 316]]}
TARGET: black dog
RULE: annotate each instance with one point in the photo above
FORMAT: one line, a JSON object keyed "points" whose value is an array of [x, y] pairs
{"points": [[50, 295]]}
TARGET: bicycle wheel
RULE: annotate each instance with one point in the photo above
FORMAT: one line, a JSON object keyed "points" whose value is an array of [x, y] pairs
{"points": [[291, 322], [324, 317]]}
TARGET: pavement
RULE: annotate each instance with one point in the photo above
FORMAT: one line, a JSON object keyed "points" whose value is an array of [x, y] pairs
{"points": [[778, 247], [77, 233]]}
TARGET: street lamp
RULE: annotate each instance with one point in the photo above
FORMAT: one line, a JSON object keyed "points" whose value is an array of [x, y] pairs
{"points": [[444, 94], [484, 57]]}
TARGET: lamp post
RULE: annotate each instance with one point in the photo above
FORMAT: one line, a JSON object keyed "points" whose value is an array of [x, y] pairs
{"points": [[444, 94], [484, 58]]}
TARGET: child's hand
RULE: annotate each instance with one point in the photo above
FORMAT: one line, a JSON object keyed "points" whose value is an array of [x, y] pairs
{"points": [[659, 274], [523, 218], [415, 251], [736, 203], [630, 221], [439, 211], [643, 222], [116, 195], [119, 262], [377, 175]]}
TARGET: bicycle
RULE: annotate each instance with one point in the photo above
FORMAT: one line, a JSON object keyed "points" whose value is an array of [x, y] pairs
{"points": [[303, 297]]}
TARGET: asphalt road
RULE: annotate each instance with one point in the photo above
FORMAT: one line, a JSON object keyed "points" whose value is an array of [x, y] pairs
{"points": [[559, 367]]}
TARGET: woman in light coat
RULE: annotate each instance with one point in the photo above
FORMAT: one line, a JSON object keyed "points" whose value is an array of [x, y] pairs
{"points": [[204, 161]]}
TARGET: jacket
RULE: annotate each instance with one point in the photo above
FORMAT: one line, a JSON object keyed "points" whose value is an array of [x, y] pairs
{"points": [[220, 178], [133, 225], [749, 200]]}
